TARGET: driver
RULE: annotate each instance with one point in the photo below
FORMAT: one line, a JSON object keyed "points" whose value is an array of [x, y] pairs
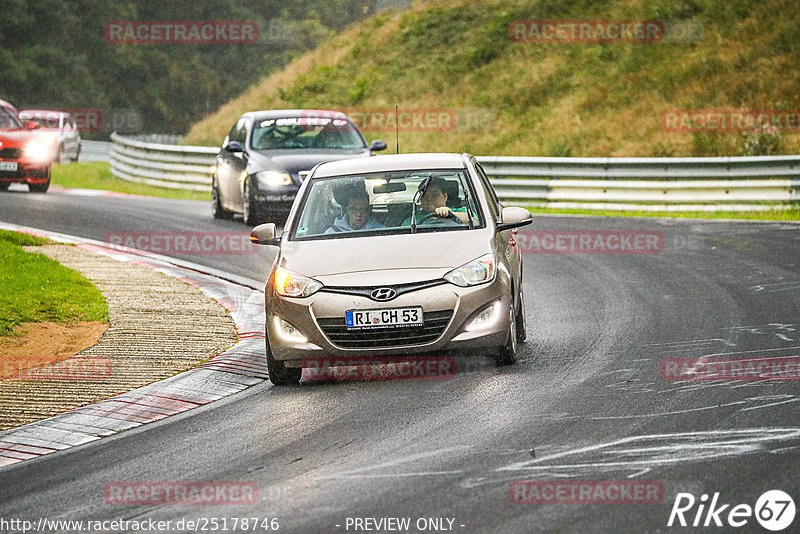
{"points": [[357, 214], [433, 204]]}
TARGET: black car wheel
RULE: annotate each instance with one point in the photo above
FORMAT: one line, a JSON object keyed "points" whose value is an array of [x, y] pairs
{"points": [[522, 327], [507, 354], [250, 211], [39, 188], [4, 186], [279, 374], [216, 203]]}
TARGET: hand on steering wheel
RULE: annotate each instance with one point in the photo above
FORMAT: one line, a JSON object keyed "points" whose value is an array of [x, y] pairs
{"points": [[446, 213]]}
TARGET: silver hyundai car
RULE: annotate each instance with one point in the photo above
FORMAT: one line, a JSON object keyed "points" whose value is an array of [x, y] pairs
{"points": [[391, 256]]}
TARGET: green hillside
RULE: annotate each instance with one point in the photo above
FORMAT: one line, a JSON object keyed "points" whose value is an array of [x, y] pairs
{"points": [[557, 99]]}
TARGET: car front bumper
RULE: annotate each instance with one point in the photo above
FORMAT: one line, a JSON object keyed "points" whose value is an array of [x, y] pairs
{"points": [[452, 307]]}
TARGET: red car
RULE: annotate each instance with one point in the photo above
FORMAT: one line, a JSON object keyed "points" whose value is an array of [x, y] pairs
{"points": [[23, 157]]}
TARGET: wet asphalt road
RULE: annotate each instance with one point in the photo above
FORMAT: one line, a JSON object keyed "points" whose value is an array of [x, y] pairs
{"points": [[585, 402]]}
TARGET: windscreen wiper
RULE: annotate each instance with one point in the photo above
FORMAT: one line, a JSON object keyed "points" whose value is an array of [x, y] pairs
{"points": [[417, 196]]}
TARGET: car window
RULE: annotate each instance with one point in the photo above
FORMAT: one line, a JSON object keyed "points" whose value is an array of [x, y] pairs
{"points": [[387, 205], [238, 132], [9, 119], [306, 132]]}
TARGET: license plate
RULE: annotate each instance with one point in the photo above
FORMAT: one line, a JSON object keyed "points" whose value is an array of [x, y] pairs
{"points": [[384, 317], [8, 165]]}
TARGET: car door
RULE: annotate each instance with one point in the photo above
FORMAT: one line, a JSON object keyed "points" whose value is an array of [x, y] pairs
{"points": [[505, 242], [71, 137], [231, 166]]}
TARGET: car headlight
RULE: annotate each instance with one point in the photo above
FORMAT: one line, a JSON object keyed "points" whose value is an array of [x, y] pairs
{"points": [[273, 178], [289, 284], [38, 152], [478, 271]]}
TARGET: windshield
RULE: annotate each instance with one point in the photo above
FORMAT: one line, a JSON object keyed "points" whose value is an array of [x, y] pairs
{"points": [[46, 120], [9, 119], [381, 203], [306, 132]]}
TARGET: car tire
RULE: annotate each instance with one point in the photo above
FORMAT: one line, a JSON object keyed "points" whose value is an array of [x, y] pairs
{"points": [[279, 374], [250, 210], [522, 327], [216, 203], [507, 354], [4, 186], [39, 188], [77, 154]]}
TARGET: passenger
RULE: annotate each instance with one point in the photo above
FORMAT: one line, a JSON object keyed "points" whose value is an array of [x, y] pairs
{"points": [[357, 211], [433, 205]]}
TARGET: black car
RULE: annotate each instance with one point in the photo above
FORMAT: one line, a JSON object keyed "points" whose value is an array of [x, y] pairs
{"points": [[267, 154]]}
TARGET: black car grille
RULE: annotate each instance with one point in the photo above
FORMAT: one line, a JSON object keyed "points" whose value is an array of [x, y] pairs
{"points": [[10, 153], [433, 324]]}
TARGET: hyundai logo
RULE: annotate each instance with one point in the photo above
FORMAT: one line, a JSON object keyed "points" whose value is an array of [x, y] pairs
{"points": [[383, 293]]}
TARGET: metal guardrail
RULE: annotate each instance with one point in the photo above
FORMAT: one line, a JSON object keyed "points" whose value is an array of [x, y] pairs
{"points": [[173, 166], [663, 184], [742, 183]]}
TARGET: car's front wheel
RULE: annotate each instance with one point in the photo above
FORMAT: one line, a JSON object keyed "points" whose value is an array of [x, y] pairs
{"points": [[39, 188], [250, 210], [279, 374], [216, 202], [522, 327], [507, 354]]}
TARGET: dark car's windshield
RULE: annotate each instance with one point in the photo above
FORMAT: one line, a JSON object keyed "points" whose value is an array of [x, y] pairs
{"points": [[381, 203], [306, 132], [9, 119]]}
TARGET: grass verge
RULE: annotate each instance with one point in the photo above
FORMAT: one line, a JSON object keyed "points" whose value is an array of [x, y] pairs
{"points": [[37, 288], [97, 175]]}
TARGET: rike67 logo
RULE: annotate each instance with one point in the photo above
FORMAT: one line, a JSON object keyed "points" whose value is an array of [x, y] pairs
{"points": [[774, 510]]}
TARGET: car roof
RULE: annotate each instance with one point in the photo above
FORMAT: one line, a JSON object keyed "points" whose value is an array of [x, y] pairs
{"points": [[286, 113], [7, 105], [392, 162]]}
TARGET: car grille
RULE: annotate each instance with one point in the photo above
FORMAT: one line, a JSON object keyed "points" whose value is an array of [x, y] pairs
{"points": [[10, 153], [433, 325]]}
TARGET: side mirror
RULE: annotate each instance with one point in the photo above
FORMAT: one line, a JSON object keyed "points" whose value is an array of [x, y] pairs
{"points": [[234, 146], [377, 145], [514, 217], [264, 234], [32, 125]]}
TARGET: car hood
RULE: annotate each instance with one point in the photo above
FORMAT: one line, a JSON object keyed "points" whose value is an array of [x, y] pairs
{"points": [[294, 161], [15, 138], [394, 259]]}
